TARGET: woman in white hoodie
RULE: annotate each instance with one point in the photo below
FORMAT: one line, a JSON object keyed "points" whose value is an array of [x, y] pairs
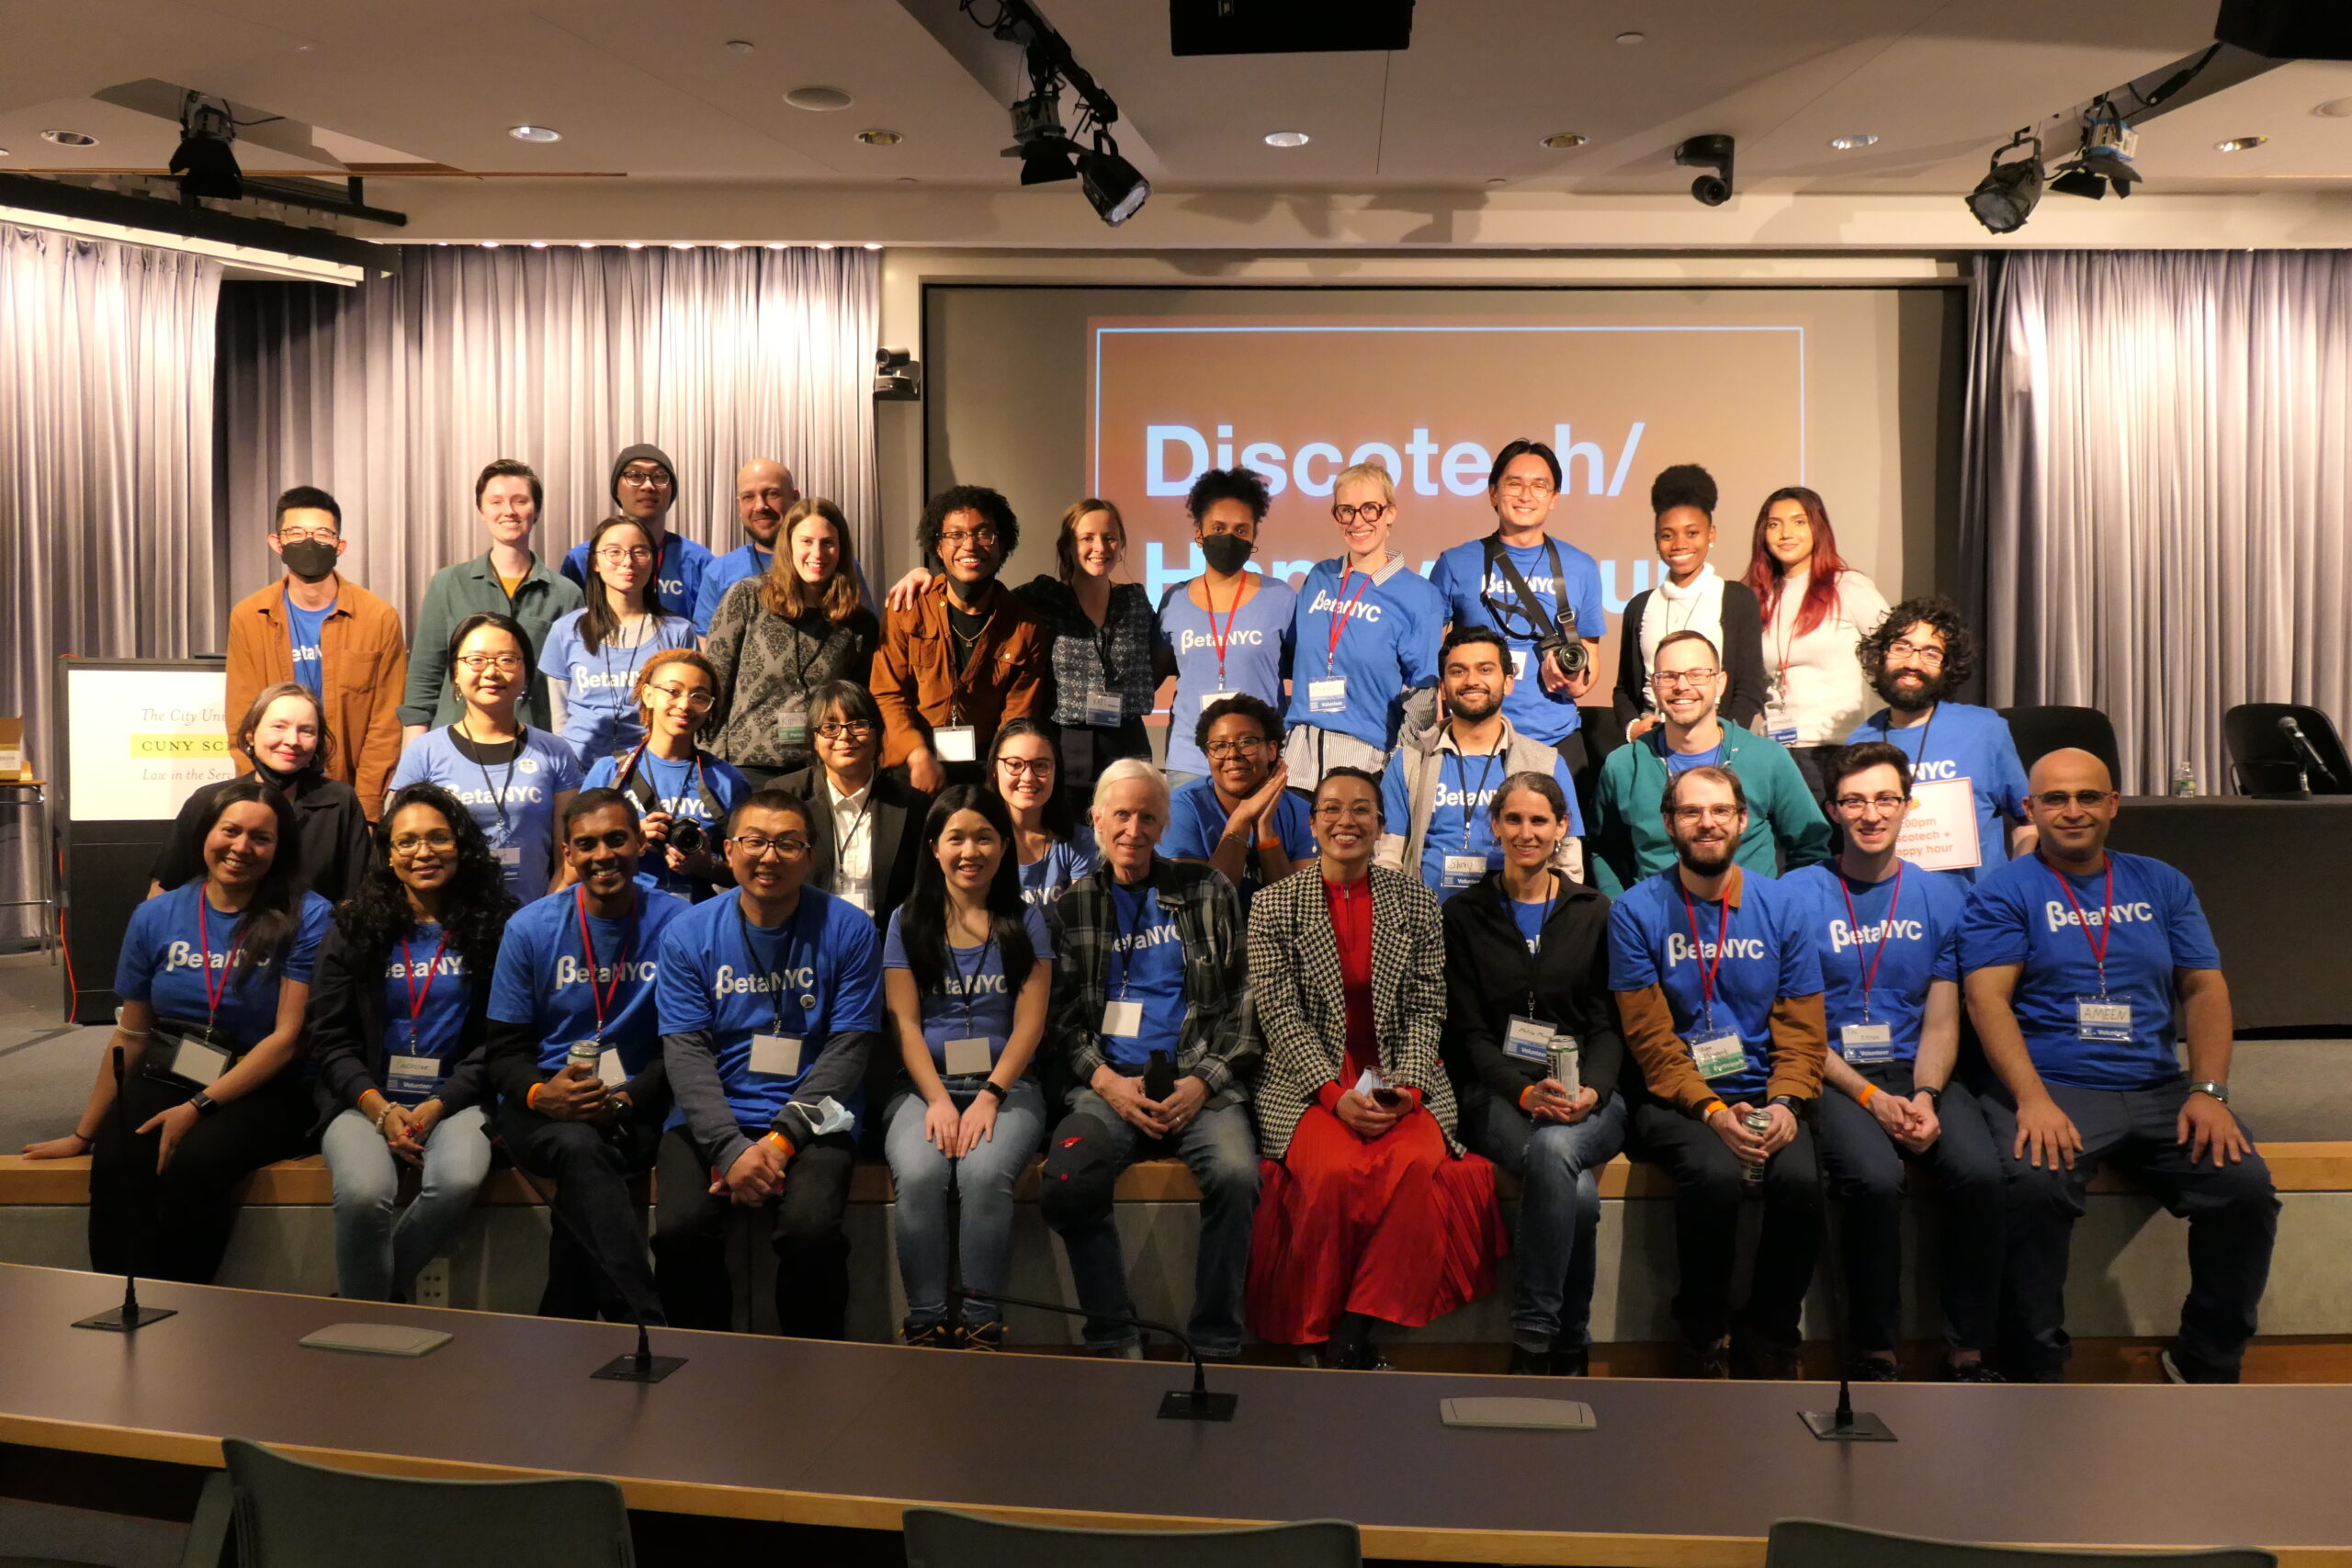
{"points": [[1690, 597], [1816, 612]]}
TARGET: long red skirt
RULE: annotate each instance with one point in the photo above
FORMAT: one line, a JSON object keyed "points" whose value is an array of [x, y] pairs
{"points": [[1397, 1229]]}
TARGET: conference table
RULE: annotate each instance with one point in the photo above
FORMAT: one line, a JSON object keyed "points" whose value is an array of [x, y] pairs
{"points": [[762, 1428]]}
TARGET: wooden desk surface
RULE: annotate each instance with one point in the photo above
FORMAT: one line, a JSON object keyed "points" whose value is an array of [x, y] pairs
{"points": [[751, 1428]]}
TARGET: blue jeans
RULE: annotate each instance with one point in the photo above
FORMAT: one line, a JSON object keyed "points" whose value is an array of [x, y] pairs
{"points": [[1092, 1145], [982, 1181], [377, 1255], [1560, 1210]]}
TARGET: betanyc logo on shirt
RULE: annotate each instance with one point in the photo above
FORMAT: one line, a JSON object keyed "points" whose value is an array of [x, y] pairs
{"points": [[1499, 585], [1931, 773], [1463, 799], [1192, 642], [570, 970], [1157, 936], [604, 680], [2060, 916], [523, 795], [1328, 603], [977, 986], [728, 983], [399, 969], [1679, 947], [184, 955], [1841, 937]]}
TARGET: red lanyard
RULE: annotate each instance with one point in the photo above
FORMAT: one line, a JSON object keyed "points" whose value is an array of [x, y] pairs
{"points": [[212, 993], [2105, 916], [604, 998], [1854, 930], [1338, 617], [1216, 637], [416, 998], [1706, 969]]}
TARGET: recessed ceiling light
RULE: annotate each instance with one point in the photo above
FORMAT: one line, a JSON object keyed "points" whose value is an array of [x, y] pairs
{"points": [[490, 244], [534, 133], [1630, 38], [1854, 142], [681, 245], [879, 138], [2335, 109], [1561, 141], [1496, 180], [819, 100], [1286, 139], [2239, 143], [909, 180], [824, 244], [873, 244], [730, 245], [637, 244], [587, 244], [739, 46], [778, 245], [69, 138], [538, 245]]}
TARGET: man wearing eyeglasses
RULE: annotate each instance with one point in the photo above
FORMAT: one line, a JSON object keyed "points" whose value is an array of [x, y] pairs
{"points": [[1629, 838], [1888, 935], [1243, 818], [644, 489], [1718, 986], [967, 654], [1531, 587], [771, 1001], [2085, 969], [317, 626], [1966, 775], [765, 491]]}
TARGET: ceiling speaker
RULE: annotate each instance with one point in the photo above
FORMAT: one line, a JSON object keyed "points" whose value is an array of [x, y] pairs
{"points": [[1287, 27]]}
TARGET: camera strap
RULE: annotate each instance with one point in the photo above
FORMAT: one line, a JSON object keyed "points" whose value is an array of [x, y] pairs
{"points": [[639, 784], [1532, 607]]}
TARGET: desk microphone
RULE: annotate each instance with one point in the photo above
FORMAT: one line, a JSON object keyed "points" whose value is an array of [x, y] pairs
{"points": [[639, 1366], [2302, 744], [1196, 1404], [129, 1316], [1841, 1425]]}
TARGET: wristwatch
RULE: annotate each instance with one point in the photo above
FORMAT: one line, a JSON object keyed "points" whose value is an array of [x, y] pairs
{"points": [[2213, 1088], [989, 1085], [1935, 1095], [1795, 1107], [203, 1103]]}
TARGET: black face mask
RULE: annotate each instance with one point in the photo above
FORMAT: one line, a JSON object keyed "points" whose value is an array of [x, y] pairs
{"points": [[1226, 553], [312, 561]]}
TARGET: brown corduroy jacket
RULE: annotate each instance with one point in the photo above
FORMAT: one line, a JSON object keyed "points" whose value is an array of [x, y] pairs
{"points": [[915, 676], [365, 662]]}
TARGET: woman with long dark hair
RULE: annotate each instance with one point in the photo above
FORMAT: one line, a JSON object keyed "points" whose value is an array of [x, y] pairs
{"points": [[967, 968], [213, 976], [683, 792], [398, 1016], [1817, 611], [284, 734], [593, 654], [1689, 596], [1051, 848], [778, 637]]}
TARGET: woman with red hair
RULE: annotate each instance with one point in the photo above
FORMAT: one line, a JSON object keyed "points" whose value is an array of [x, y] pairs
{"points": [[1816, 612]]}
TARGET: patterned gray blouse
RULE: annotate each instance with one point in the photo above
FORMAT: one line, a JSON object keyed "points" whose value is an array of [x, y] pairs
{"points": [[768, 665]]}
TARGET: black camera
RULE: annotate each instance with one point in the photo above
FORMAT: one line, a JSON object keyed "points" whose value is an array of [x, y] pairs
{"points": [[687, 838], [1563, 643]]}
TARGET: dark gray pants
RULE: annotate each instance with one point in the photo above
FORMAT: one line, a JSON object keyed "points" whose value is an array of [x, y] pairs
{"points": [[1707, 1191]]}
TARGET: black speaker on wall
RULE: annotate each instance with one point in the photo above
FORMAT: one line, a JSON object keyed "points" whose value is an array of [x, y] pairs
{"points": [[1287, 27], [2287, 29]]}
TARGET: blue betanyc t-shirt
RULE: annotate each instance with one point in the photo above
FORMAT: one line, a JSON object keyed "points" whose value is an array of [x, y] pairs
{"points": [[1530, 918], [544, 981], [1196, 822], [167, 959], [1146, 965], [675, 791], [724, 573], [678, 576], [1460, 820], [512, 802], [1532, 710], [1258, 654], [817, 976], [600, 713], [974, 1000], [1388, 645], [2025, 913], [1766, 953], [303, 630], [1902, 933], [1962, 742], [1678, 763], [1048, 877], [425, 996]]}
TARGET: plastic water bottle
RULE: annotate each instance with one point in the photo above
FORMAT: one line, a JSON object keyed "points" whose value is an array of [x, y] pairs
{"points": [[2183, 778]]}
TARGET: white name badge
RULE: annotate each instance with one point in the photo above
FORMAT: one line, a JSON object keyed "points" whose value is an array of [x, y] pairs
{"points": [[956, 743], [1105, 709], [1941, 832], [775, 1055], [1123, 1021], [1529, 1040], [966, 1058], [1463, 871], [199, 1064], [2098, 1018], [1867, 1043], [1720, 1056], [1778, 726], [416, 1076], [610, 1071], [1328, 695], [1518, 657], [1210, 699], [511, 856]]}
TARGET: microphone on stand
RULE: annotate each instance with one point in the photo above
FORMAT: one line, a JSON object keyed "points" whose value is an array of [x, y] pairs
{"points": [[641, 1365], [2313, 762], [1841, 1425], [1195, 1404], [129, 1316]]}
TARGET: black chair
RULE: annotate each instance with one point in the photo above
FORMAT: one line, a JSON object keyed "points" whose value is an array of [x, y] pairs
{"points": [[945, 1538], [1816, 1544], [2268, 764], [2038, 731]]}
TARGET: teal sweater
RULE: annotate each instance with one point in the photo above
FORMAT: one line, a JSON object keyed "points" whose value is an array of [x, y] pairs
{"points": [[469, 588], [1628, 835]]}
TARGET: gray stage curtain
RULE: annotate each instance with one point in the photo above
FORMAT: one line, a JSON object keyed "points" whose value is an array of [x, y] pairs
{"points": [[2155, 485], [106, 548], [393, 395]]}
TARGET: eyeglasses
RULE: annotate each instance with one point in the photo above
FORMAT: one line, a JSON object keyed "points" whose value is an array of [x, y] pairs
{"points": [[1370, 511], [1926, 653], [645, 479], [1691, 816], [1539, 489], [836, 728], [407, 845], [2058, 799], [1855, 805], [589, 843], [506, 663], [1248, 746], [984, 538], [757, 848], [1361, 811], [696, 700], [1667, 680], [614, 555], [1027, 767], [305, 535]]}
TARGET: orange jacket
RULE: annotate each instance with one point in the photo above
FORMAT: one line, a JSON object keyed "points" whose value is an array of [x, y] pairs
{"points": [[365, 662], [914, 683]]}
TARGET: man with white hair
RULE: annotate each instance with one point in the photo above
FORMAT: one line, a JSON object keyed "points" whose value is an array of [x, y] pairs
{"points": [[1150, 1023]]}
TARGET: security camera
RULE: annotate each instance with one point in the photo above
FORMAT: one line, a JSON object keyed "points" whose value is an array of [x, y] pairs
{"points": [[1710, 152]]}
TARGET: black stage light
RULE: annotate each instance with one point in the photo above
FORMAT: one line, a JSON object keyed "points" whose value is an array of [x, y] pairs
{"points": [[204, 165], [1115, 186], [2005, 196], [2078, 181], [1038, 140]]}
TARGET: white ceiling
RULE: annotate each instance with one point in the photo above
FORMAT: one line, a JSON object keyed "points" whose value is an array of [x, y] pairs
{"points": [[647, 89]]}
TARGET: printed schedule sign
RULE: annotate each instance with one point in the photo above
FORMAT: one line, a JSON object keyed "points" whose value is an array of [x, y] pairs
{"points": [[140, 741]]}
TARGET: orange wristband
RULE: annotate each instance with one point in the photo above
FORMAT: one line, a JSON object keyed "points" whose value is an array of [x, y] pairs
{"points": [[531, 1096], [780, 1141], [1870, 1092], [1711, 1108], [1531, 1089]]}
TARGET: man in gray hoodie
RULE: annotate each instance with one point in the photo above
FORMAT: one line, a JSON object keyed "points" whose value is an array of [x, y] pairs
{"points": [[644, 488]]}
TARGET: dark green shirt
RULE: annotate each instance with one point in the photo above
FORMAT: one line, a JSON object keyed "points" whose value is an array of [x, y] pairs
{"points": [[471, 587]]}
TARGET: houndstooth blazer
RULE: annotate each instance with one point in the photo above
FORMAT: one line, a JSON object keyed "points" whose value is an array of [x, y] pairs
{"points": [[1301, 1006]]}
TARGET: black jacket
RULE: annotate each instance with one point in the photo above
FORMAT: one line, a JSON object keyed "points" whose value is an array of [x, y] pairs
{"points": [[1489, 971], [896, 812], [331, 831], [1743, 655], [347, 1025]]}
